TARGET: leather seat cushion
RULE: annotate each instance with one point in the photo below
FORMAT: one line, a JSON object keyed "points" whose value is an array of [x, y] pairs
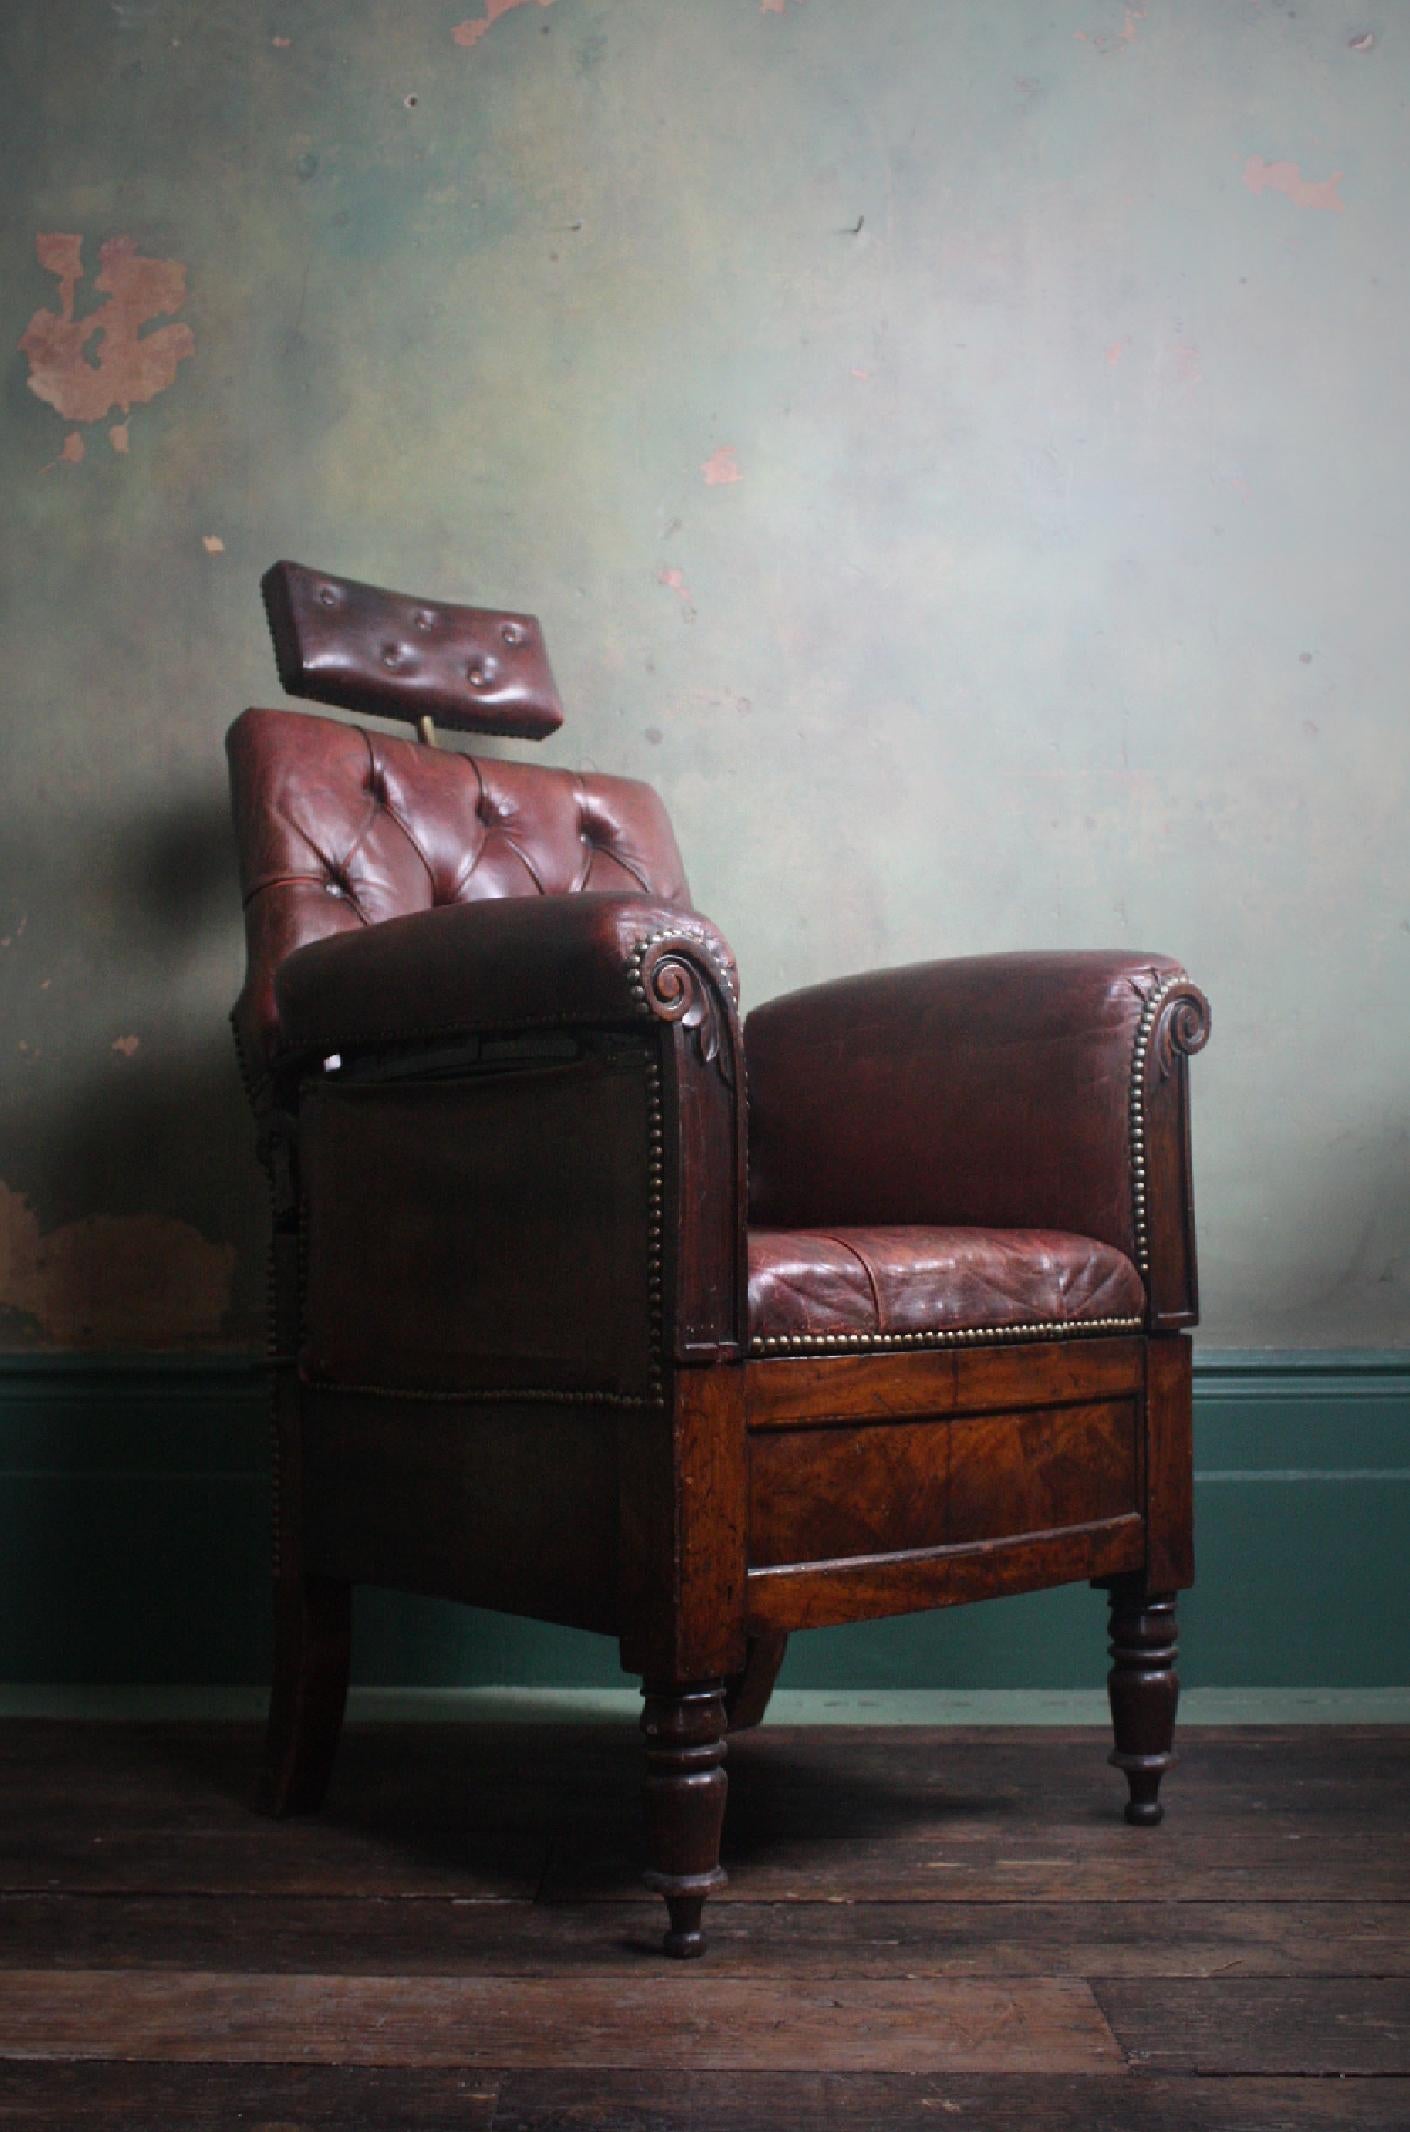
{"points": [[932, 1287]]}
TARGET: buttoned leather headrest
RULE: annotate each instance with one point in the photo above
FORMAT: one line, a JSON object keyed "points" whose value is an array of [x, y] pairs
{"points": [[364, 649]]}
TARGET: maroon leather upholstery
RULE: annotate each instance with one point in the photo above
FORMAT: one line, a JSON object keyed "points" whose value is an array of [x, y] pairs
{"points": [[992, 1093], [339, 829], [527, 1350], [520, 964], [915, 1287], [396, 656]]}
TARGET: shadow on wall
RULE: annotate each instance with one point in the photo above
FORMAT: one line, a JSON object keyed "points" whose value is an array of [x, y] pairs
{"points": [[153, 1121]]}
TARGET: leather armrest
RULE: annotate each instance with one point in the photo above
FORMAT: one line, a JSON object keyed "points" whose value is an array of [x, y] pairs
{"points": [[507, 963], [585, 1220], [1007, 1091]]}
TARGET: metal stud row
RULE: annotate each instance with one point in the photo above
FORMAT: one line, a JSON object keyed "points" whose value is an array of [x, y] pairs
{"points": [[655, 1223], [966, 1336], [1140, 1055]]}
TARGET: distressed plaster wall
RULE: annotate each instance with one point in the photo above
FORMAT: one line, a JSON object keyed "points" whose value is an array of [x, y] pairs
{"points": [[958, 451]]}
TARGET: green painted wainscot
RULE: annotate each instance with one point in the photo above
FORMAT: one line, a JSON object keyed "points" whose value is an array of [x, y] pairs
{"points": [[134, 1514]]}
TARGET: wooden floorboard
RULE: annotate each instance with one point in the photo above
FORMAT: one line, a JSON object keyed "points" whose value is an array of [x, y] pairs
{"points": [[117, 2097], [922, 1926], [684, 2018], [441, 1935], [1322, 2026], [553, 2102], [1079, 1863], [240, 2098]]}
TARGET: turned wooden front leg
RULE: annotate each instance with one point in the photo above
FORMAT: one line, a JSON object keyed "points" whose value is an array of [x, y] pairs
{"points": [[1144, 1689], [312, 1631], [684, 1802]]}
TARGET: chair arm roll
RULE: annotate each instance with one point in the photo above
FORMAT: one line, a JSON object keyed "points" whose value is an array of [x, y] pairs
{"points": [[505, 964], [1014, 1091]]}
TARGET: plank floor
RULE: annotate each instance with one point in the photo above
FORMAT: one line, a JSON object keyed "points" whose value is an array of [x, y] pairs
{"points": [[922, 1927]]}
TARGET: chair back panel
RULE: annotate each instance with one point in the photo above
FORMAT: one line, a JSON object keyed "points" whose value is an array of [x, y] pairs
{"points": [[338, 827]]}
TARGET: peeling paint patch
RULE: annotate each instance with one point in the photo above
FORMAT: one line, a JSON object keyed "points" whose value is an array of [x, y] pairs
{"points": [[281, 44], [1287, 179], [722, 466], [213, 544], [132, 366], [674, 580], [135, 1280], [127, 1045], [1363, 43], [469, 33], [117, 437], [1117, 349], [1114, 40], [776, 7], [861, 375], [71, 451]]}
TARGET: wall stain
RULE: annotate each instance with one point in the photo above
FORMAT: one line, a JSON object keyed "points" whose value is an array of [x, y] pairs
{"points": [[721, 466], [131, 366], [114, 1281], [1286, 178], [1187, 363], [127, 1045], [1114, 40], [469, 33], [674, 580]]}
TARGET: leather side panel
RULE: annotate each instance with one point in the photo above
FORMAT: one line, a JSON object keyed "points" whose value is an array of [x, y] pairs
{"points": [[480, 1234]]}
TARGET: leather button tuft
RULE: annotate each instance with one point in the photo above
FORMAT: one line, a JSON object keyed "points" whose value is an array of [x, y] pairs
{"points": [[424, 620], [391, 655], [327, 597], [481, 672], [511, 633]]}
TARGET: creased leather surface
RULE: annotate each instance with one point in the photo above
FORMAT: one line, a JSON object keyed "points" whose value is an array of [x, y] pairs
{"points": [[339, 829], [364, 649], [992, 1092], [914, 1280], [514, 964]]}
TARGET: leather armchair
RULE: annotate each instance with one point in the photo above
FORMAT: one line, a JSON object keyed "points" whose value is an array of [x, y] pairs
{"points": [[565, 1323]]}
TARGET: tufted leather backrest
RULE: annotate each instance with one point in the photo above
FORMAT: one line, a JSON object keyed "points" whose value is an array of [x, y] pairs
{"points": [[339, 828]]}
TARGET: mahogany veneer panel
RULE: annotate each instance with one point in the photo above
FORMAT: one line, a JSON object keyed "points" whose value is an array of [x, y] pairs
{"points": [[957, 1380], [815, 1595], [825, 1494]]}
